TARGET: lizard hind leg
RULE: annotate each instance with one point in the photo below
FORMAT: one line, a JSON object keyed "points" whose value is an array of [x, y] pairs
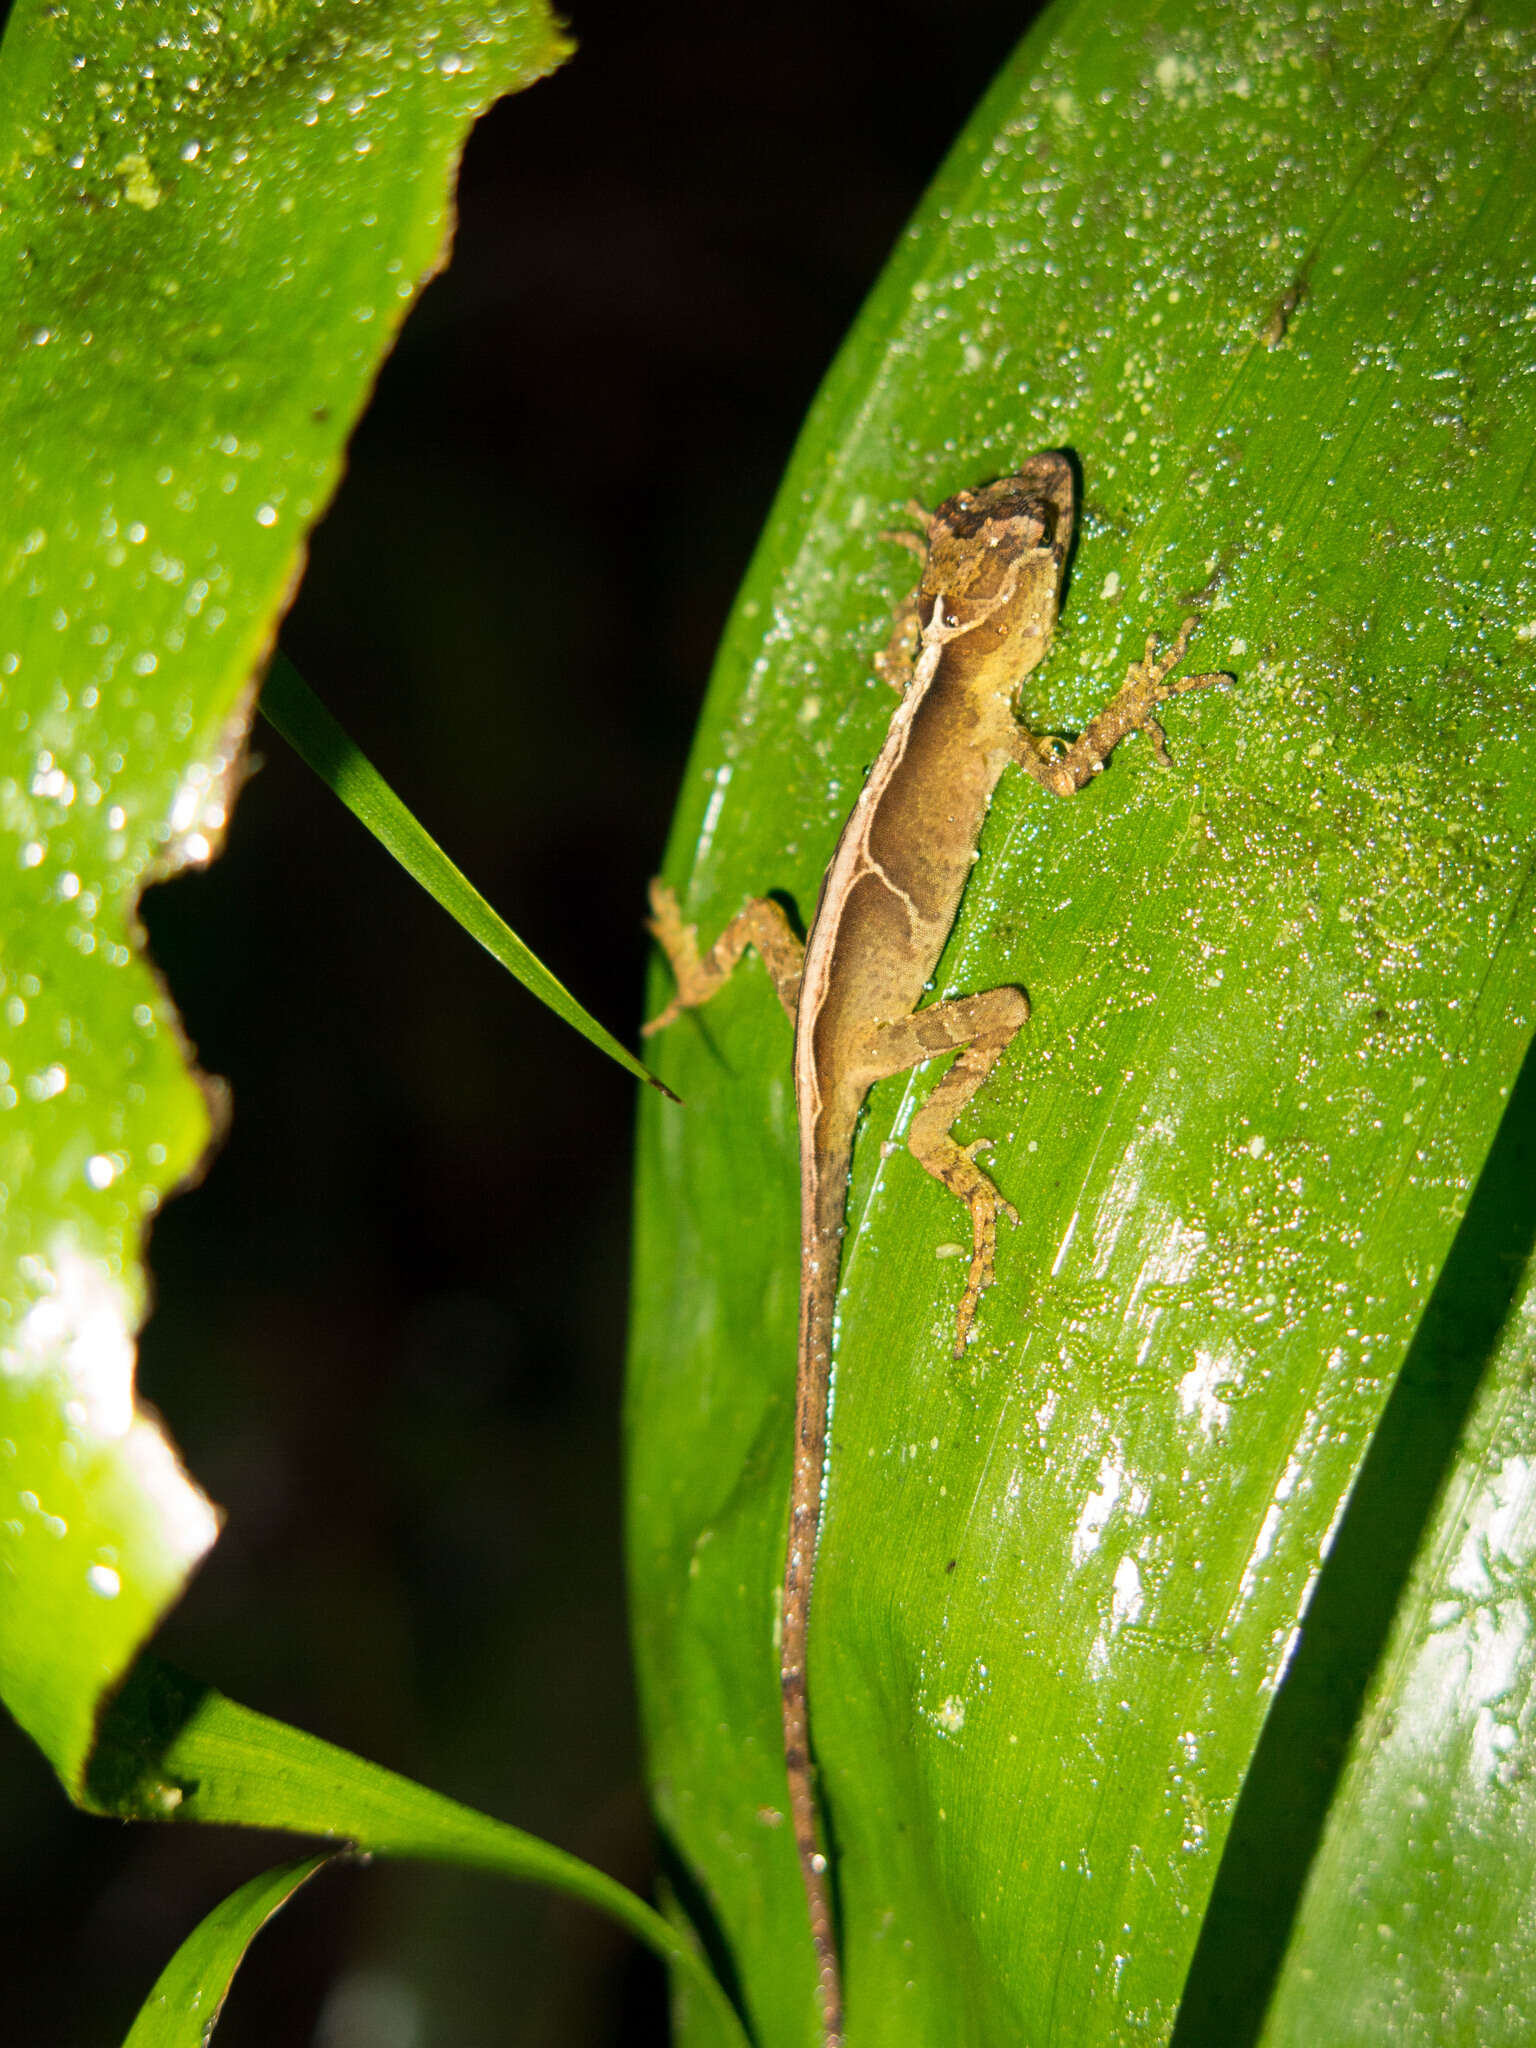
{"points": [[981, 1027]]}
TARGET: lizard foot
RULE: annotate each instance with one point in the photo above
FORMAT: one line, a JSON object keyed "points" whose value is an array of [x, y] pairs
{"points": [[680, 943], [986, 1204]]}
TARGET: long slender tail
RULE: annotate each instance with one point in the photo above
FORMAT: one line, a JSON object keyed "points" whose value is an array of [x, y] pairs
{"points": [[825, 1193]]}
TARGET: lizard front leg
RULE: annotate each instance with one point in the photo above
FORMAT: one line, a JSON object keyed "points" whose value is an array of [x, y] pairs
{"points": [[1133, 708], [893, 664], [981, 1027], [762, 924]]}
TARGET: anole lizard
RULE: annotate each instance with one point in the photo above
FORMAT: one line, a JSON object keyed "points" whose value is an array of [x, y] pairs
{"points": [[979, 621]]}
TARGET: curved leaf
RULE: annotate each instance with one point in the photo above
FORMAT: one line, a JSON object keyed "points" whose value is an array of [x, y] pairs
{"points": [[189, 1994], [172, 1748], [1263, 271], [211, 224]]}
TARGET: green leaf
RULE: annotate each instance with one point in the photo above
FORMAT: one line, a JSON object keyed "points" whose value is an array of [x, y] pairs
{"points": [[172, 1748], [346, 771], [212, 224], [1413, 1925], [189, 1994], [1265, 272]]}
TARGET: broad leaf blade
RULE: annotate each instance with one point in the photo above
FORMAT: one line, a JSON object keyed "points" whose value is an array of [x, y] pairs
{"points": [[183, 2008], [213, 224], [1264, 275], [1414, 1924]]}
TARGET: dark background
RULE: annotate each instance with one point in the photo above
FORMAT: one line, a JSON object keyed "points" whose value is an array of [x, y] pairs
{"points": [[390, 1325]]}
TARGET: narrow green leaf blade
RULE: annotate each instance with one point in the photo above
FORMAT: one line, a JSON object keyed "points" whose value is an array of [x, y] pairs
{"points": [[172, 1748], [1265, 274], [184, 2007], [211, 226], [292, 706]]}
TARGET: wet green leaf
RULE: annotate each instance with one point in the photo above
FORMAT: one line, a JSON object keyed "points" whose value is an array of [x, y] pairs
{"points": [[173, 1749], [1265, 272], [211, 226], [1415, 1923], [190, 1992]]}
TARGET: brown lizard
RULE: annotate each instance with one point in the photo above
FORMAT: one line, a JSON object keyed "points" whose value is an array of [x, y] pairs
{"points": [[979, 620]]}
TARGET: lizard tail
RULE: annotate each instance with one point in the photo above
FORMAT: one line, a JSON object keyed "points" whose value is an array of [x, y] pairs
{"points": [[825, 1195]]}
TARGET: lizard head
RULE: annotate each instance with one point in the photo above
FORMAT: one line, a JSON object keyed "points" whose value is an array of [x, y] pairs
{"points": [[996, 556]]}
